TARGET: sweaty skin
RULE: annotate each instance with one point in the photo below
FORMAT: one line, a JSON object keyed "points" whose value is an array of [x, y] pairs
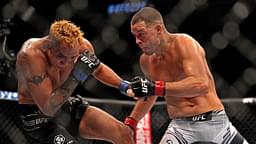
{"points": [[180, 61], [42, 72], [47, 72], [175, 67]]}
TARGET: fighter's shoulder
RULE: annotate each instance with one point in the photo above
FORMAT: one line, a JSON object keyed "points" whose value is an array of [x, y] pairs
{"points": [[86, 45], [187, 44], [30, 50], [181, 37], [31, 41], [29, 45]]}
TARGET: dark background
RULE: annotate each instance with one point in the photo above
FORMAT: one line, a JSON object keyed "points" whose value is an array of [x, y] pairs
{"points": [[225, 28]]}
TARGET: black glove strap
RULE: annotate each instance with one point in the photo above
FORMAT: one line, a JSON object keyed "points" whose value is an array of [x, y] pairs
{"points": [[90, 59]]}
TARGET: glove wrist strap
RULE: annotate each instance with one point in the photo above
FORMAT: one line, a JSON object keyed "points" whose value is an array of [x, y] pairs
{"points": [[124, 85], [131, 122], [159, 88]]}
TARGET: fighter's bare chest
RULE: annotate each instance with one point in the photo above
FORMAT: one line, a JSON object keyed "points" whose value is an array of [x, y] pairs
{"points": [[165, 70]]}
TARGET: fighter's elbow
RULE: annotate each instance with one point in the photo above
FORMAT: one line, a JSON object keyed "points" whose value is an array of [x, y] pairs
{"points": [[49, 114], [46, 110]]}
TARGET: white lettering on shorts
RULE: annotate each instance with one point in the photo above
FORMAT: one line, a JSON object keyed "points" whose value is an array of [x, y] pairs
{"points": [[199, 118]]}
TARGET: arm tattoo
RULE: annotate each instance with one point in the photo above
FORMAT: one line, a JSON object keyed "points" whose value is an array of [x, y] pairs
{"points": [[37, 79], [61, 94]]}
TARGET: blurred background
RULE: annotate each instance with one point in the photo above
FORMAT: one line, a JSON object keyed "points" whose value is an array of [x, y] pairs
{"points": [[225, 28]]}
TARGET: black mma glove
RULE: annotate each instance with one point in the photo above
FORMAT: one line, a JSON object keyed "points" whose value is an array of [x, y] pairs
{"points": [[84, 66], [75, 105], [143, 87], [124, 86]]}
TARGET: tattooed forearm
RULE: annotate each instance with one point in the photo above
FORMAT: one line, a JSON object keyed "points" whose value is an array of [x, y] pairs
{"points": [[37, 79], [60, 95]]}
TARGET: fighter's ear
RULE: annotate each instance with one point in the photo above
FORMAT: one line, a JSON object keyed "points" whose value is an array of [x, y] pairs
{"points": [[159, 28]]}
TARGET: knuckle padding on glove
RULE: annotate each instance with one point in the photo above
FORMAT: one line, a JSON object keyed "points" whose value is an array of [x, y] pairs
{"points": [[142, 87], [76, 105]]}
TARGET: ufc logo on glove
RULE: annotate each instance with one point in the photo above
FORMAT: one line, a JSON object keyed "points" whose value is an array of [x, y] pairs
{"points": [[87, 61], [144, 86]]}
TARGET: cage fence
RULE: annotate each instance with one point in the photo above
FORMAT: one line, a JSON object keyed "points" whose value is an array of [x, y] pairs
{"points": [[241, 114]]}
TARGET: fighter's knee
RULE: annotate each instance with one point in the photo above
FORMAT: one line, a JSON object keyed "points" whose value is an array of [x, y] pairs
{"points": [[122, 129]]}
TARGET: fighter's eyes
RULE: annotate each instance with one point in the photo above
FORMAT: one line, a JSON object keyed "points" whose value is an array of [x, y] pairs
{"points": [[60, 56], [141, 34]]}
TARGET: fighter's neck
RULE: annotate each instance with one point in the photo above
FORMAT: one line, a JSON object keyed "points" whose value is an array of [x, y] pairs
{"points": [[163, 47]]}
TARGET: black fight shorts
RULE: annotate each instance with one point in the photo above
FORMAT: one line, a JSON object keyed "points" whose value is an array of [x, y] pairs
{"points": [[60, 129]]}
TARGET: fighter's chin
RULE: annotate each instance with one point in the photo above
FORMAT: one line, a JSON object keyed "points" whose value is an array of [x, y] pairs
{"points": [[147, 53]]}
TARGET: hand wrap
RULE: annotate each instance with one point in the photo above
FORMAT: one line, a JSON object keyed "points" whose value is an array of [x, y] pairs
{"points": [[132, 123], [124, 86]]}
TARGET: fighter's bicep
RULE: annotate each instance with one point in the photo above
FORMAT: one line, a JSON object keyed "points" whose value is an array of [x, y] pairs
{"points": [[193, 68], [40, 88], [39, 84], [191, 55], [37, 79], [34, 72]]}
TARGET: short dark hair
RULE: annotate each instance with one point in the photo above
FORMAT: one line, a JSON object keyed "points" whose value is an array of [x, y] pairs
{"points": [[147, 14]]}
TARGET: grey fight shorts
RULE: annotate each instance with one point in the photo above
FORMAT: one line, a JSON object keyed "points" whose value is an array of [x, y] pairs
{"points": [[212, 127]]}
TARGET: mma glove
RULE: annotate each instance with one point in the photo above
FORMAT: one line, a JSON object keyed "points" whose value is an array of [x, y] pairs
{"points": [[143, 87], [75, 105], [124, 86], [132, 123], [86, 63]]}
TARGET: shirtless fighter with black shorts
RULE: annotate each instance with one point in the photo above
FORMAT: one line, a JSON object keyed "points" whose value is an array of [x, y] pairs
{"points": [[48, 70]]}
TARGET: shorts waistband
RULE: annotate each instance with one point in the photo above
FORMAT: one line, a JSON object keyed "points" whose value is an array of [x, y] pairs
{"points": [[31, 117], [202, 117]]}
